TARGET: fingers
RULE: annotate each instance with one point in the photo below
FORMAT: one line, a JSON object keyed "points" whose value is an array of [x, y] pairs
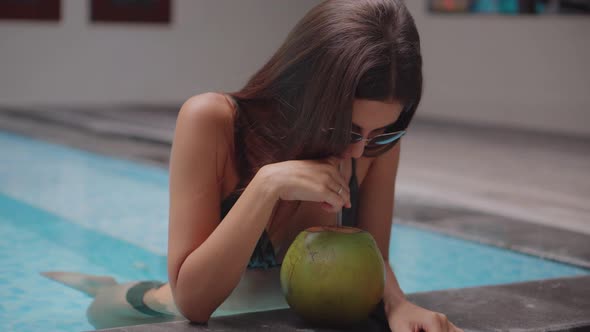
{"points": [[327, 207], [341, 185], [319, 181], [334, 161], [440, 323], [334, 200], [333, 192]]}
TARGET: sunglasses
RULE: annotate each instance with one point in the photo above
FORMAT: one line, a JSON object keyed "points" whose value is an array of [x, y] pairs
{"points": [[375, 145], [382, 143], [378, 140]]}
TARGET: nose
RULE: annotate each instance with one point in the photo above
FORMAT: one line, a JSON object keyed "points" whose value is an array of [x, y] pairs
{"points": [[355, 150]]}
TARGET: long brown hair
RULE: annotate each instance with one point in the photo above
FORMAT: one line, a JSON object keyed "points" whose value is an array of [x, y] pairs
{"points": [[339, 51]]}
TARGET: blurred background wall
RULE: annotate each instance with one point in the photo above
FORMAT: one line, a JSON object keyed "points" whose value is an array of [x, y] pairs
{"points": [[523, 72], [528, 72], [210, 45]]}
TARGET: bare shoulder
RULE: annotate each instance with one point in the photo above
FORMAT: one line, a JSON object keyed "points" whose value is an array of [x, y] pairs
{"points": [[212, 108], [204, 131], [207, 117]]}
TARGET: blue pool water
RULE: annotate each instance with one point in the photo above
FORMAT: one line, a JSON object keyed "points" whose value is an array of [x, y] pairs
{"points": [[64, 209]]}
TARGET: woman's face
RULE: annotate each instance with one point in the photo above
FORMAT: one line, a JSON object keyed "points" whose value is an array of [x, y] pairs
{"points": [[369, 118]]}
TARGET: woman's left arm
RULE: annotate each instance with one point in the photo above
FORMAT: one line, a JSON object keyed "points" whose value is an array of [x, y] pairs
{"points": [[375, 215]]}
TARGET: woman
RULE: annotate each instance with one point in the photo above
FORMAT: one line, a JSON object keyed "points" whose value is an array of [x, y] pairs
{"points": [[315, 130]]}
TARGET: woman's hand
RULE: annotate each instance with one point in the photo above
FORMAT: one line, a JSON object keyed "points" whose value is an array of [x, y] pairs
{"points": [[408, 317], [309, 180]]}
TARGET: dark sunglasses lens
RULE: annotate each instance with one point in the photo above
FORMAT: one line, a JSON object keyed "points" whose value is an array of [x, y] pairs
{"points": [[355, 137], [385, 138]]}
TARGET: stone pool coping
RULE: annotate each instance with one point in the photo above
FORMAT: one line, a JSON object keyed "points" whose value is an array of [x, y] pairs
{"points": [[538, 240], [561, 304]]}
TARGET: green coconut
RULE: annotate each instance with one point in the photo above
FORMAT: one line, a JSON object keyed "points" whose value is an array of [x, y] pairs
{"points": [[333, 276]]}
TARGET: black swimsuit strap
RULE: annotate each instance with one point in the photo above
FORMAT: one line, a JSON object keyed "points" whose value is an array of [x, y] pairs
{"points": [[134, 297]]}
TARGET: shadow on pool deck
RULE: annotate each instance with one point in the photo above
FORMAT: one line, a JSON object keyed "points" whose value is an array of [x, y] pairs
{"points": [[144, 135]]}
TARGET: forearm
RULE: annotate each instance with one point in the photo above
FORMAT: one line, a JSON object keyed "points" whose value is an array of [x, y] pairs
{"points": [[392, 295], [210, 273]]}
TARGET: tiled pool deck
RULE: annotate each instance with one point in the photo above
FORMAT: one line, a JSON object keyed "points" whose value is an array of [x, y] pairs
{"points": [[550, 305]]}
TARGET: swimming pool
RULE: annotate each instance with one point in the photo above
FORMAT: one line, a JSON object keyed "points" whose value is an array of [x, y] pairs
{"points": [[65, 209]]}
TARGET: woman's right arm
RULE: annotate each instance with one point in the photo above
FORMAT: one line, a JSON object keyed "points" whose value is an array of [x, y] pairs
{"points": [[206, 257]]}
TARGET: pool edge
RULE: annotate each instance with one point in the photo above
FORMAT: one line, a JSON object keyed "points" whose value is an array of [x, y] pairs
{"points": [[559, 304]]}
